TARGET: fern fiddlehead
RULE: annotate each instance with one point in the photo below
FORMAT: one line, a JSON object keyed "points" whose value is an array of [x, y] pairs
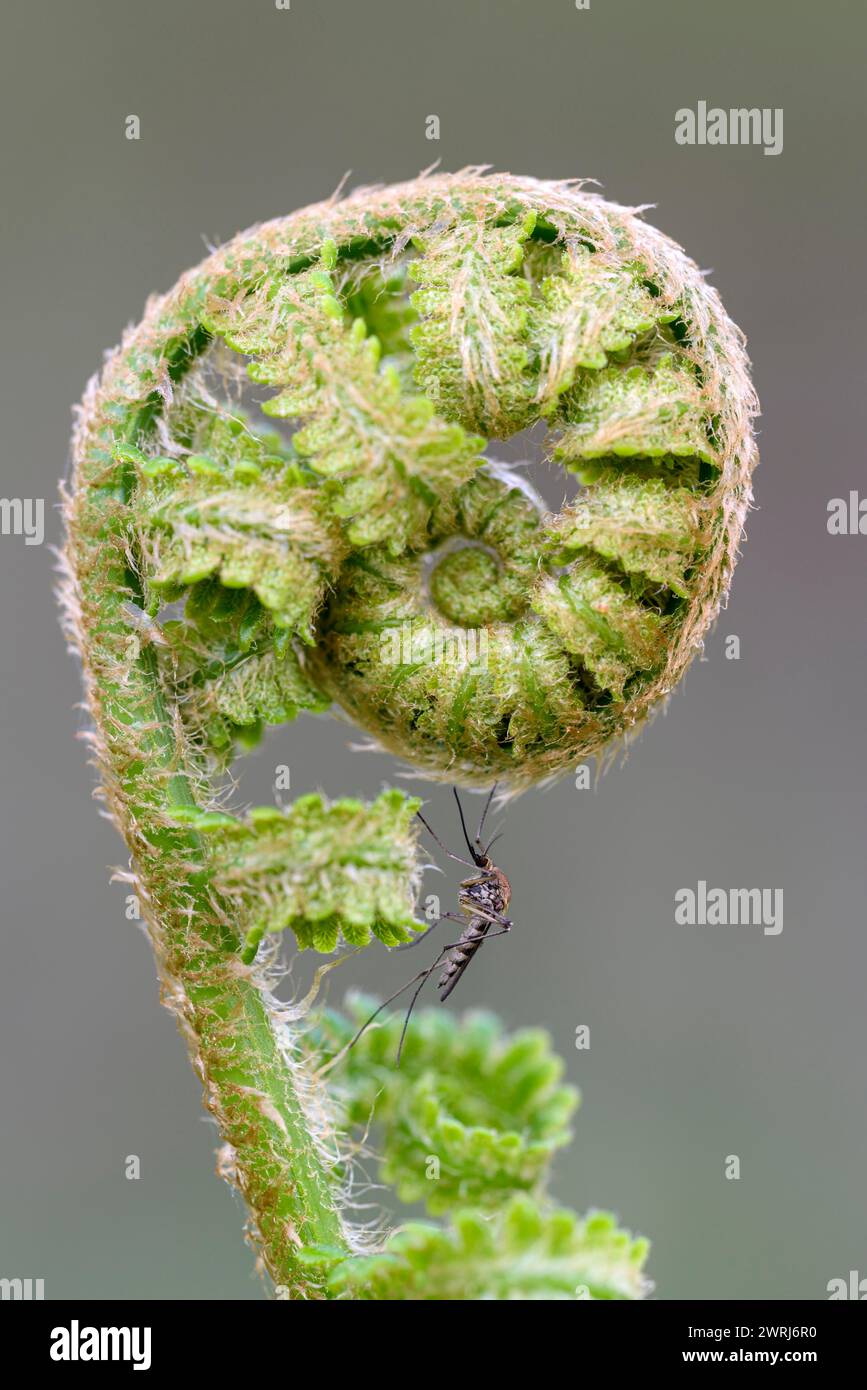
{"points": [[225, 573]]}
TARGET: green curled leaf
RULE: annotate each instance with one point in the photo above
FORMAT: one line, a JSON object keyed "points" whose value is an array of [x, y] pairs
{"points": [[525, 1252], [471, 349], [329, 872], [645, 409], [270, 538], [383, 456], [652, 532], [231, 670], [472, 1113]]}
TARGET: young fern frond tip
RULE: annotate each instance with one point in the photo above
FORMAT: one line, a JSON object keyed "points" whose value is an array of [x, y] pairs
{"points": [[233, 562]]}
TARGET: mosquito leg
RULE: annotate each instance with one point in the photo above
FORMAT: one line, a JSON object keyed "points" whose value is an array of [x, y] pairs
{"points": [[425, 976], [480, 941], [487, 914], [493, 916], [432, 832], [410, 945], [410, 1009], [390, 1000], [421, 977], [446, 917]]}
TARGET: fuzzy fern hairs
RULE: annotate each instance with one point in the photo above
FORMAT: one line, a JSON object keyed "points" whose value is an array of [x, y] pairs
{"points": [[224, 574]]}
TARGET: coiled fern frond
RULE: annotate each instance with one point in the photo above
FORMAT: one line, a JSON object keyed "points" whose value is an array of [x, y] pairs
{"points": [[487, 1109], [229, 567], [528, 1251]]}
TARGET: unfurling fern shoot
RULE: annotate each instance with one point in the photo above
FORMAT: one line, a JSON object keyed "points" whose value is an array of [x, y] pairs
{"points": [[229, 568]]}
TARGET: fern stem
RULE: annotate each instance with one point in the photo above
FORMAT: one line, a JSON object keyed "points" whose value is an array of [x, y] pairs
{"points": [[240, 1049]]}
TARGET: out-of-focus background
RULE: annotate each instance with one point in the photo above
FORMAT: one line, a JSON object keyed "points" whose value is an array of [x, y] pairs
{"points": [[706, 1042]]}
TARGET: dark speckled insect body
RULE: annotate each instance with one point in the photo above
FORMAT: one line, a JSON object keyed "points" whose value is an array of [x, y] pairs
{"points": [[483, 899]]}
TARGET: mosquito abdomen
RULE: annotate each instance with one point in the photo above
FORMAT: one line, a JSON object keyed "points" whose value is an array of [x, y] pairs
{"points": [[460, 955]]}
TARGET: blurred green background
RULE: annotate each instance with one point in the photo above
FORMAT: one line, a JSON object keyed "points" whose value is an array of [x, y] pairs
{"points": [[705, 1042]]}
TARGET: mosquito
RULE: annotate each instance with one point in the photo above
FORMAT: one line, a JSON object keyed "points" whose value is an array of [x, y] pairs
{"points": [[483, 900]]}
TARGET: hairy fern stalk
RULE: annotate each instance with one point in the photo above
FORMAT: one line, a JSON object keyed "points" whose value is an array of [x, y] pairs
{"points": [[226, 571]]}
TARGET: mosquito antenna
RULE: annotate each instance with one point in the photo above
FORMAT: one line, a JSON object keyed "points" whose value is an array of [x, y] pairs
{"points": [[499, 835], [474, 852], [485, 814], [432, 832]]}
